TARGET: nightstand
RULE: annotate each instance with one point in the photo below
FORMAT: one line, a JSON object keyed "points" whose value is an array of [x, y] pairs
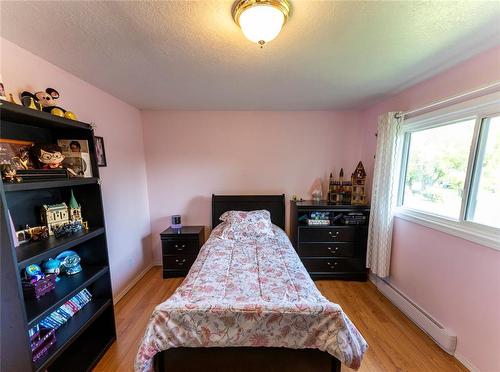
{"points": [[180, 248]]}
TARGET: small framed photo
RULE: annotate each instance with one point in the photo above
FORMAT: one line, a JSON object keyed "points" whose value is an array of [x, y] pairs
{"points": [[76, 157], [100, 152]]}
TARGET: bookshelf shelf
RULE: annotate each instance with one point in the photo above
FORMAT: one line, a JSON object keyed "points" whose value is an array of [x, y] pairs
{"points": [[35, 185], [38, 251], [70, 331], [66, 288]]}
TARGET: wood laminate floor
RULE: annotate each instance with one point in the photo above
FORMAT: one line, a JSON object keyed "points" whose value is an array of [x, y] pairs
{"points": [[395, 343]]}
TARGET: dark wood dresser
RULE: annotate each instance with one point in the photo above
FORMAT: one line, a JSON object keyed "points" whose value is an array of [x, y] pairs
{"points": [[180, 248], [336, 250]]}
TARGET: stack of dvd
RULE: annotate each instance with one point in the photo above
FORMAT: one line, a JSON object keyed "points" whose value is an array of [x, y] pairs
{"points": [[60, 316], [354, 218]]}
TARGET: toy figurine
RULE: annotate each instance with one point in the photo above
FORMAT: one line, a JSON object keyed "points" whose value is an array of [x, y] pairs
{"points": [[33, 273], [9, 174], [48, 156], [46, 101], [52, 266]]}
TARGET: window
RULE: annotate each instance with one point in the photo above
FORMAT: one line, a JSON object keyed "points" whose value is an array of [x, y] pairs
{"points": [[436, 168], [484, 199], [450, 173]]}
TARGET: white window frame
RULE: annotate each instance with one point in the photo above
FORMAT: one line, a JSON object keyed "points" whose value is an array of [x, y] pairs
{"points": [[477, 109]]}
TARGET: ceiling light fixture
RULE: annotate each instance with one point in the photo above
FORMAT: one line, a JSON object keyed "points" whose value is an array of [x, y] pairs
{"points": [[261, 20]]}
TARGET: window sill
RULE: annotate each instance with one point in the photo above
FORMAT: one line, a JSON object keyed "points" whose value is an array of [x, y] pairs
{"points": [[480, 234]]}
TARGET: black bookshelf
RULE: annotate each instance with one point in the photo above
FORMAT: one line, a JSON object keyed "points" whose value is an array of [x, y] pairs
{"points": [[85, 337]]}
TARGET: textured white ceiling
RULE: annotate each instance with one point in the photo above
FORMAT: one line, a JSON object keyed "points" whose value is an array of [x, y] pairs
{"points": [[190, 55]]}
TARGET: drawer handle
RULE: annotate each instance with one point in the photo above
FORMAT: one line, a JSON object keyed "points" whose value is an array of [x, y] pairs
{"points": [[181, 247], [181, 262], [332, 266], [333, 250], [332, 235]]}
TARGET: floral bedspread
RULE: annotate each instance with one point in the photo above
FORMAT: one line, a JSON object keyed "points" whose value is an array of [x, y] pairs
{"points": [[254, 293]]}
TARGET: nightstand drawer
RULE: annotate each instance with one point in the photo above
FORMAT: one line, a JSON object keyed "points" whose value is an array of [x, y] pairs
{"points": [[326, 234], [326, 249], [332, 265], [180, 262], [180, 246]]}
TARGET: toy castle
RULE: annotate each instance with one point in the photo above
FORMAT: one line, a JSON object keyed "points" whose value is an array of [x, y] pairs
{"points": [[348, 192], [358, 181], [55, 215]]}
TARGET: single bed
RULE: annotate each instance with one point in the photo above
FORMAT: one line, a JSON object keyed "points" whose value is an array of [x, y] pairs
{"points": [[249, 306]]}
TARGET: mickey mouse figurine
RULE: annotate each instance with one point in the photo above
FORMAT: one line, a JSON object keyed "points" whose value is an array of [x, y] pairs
{"points": [[46, 101]]}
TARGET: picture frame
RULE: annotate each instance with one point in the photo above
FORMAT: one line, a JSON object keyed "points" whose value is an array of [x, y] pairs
{"points": [[100, 152], [76, 157], [16, 153]]}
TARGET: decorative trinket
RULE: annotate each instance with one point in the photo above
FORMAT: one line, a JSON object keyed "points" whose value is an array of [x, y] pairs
{"points": [[49, 156], [317, 190], [67, 229], [9, 174], [52, 266], [33, 273], [70, 262], [176, 222], [45, 101], [38, 233]]}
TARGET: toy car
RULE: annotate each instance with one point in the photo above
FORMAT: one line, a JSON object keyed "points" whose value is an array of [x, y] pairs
{"points": [[39, 233]]}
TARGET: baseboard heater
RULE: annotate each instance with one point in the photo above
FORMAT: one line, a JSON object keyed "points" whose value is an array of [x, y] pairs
{"points": [[446, 339]]}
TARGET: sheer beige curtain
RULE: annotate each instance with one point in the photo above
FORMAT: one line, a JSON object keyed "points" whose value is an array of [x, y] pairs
{"points": [[384, 193]]}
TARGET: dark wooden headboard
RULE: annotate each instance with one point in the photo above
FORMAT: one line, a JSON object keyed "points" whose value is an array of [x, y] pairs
{"points": [[275, 204]]}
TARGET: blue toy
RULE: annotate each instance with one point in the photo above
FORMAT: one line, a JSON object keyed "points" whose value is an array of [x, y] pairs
{"points": [[70, 262], [33, 273], [52, 266]]}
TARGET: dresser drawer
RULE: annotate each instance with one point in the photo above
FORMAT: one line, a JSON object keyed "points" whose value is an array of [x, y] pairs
{"points": [[326, 234], [179, 262], [333, 249], [332, 265], [180, 246]]}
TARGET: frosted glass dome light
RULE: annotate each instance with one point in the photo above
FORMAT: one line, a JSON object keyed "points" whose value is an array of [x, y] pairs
{"points": [[261, 20]]}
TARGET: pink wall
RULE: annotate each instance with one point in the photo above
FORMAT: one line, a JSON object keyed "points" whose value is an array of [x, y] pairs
{"points": [[124, 179], [190, 155], [456, 281]]}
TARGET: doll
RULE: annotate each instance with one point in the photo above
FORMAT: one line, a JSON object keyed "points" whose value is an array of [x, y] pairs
{"points": [[48, 156]]}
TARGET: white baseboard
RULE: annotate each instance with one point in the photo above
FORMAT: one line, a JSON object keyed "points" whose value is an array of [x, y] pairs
{"points": [[133, 282], [446, 339], [467, 364]]}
